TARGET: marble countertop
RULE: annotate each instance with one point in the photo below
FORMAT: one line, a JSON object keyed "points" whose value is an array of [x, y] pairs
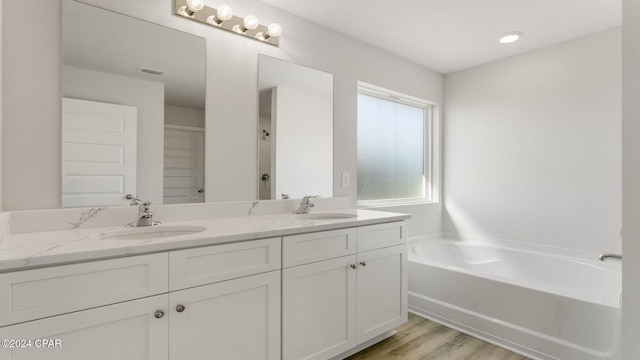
{"points": [[47, 248]]}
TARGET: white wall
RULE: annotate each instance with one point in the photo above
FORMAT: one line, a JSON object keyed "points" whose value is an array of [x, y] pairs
{"points": [[31, 104], [1, 107], [532, 146], [183, 116], [630, 178], [232, 72], [148, 98]]}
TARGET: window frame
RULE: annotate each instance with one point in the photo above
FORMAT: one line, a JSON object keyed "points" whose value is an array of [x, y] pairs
{"points": [[430, 142]]}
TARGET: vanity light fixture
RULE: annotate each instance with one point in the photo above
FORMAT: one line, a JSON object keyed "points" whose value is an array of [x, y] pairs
{"points": [[273, 30], [250, 23], [223, 13], [510, 37], [191, 7], [223, 18]]}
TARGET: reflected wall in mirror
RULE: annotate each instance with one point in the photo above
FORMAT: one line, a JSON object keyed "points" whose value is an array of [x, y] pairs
{"points": [[295, 130], [133, 110]]}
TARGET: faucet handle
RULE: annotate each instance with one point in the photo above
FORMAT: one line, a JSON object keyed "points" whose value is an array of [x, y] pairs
{"points": [[134, 200], [145, 207], [305, 199]]}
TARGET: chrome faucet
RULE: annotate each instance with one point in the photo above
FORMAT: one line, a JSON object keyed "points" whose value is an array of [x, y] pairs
{"points": [[305, 205], [606, 256], [145, 216]]}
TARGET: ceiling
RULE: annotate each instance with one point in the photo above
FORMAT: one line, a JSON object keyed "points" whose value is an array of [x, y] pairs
{"points": [[451, 35]]}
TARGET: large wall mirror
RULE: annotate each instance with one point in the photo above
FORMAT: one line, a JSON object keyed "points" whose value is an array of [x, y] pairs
{"points": [[295, 130], [133, 110]]}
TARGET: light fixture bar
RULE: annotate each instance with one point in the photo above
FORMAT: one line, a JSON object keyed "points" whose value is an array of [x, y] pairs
{"points": [[232, 25]]}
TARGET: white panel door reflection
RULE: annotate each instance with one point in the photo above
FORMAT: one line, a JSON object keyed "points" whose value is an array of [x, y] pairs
{"points": [[98, 153]]}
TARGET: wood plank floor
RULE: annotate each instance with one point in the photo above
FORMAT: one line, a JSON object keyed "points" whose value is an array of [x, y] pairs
{"points": [[422, 339]]}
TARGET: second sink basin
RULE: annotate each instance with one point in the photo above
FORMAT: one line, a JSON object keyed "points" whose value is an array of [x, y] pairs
{"points": [[148, 232], [325, 216]]}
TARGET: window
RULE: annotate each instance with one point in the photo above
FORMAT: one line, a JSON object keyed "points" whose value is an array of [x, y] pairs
{"points": [[394, 147]]}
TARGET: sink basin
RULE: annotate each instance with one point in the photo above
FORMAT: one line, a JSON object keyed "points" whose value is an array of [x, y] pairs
{"points": [[148, 232], [325, 216]]}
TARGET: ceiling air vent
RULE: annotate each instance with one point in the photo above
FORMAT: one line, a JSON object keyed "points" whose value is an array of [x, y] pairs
{"points": [[150, 71]]}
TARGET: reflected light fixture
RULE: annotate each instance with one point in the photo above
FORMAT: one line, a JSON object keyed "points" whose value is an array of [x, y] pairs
{"points": [[510, 37], [223, 18]]}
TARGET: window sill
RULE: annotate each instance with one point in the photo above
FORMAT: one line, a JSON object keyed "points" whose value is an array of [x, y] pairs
{"points": [[372, 204]]}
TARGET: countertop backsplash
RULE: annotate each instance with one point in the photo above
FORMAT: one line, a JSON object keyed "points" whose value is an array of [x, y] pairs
{"points": [[27, 221]]}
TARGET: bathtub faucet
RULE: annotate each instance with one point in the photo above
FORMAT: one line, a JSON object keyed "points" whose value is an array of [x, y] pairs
{"points": [[606, 256]]}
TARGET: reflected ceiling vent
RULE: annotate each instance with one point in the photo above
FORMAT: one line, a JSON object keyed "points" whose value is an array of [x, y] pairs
{"points": [[150, 71]]}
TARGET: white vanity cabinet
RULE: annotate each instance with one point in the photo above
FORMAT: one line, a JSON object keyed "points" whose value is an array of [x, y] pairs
{"points": [[180, 305], [238, 316], [132, 330], [381, 291], [236, 319], [333, 303], [319, 309], [316, 295], [70, 307]]}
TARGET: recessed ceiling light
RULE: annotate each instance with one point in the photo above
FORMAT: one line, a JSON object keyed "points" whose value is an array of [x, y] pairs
{"points": [[510, 37]]}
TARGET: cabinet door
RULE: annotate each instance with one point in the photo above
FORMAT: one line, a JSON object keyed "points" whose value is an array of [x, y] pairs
{"points": [[382, 291], [318, 309], [125, 331], [233, 320]]}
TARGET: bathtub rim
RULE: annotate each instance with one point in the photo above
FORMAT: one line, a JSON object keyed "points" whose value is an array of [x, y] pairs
{"points": [[546, 249], [612, 294]]}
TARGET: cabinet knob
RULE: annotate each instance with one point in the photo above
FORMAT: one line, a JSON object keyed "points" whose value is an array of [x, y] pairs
{"points": [[159, 314], [353, 266], [363, 263], [180, 308]]}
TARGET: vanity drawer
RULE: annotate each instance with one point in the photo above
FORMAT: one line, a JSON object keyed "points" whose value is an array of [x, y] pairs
{"points": [[34, 294], [318, 246], [382, 235], [207, 265]]}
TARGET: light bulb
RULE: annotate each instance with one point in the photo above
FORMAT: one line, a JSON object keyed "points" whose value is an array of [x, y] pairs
{"points": [[510, 37], [224, 13], [251, 22], [194, 6], [274, 30]]}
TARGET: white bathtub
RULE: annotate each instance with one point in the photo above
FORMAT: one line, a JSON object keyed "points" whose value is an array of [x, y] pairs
{"points": [[541, 305]]}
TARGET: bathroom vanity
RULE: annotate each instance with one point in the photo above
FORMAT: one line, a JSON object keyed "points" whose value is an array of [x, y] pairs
{"points": [[277, 286]]}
